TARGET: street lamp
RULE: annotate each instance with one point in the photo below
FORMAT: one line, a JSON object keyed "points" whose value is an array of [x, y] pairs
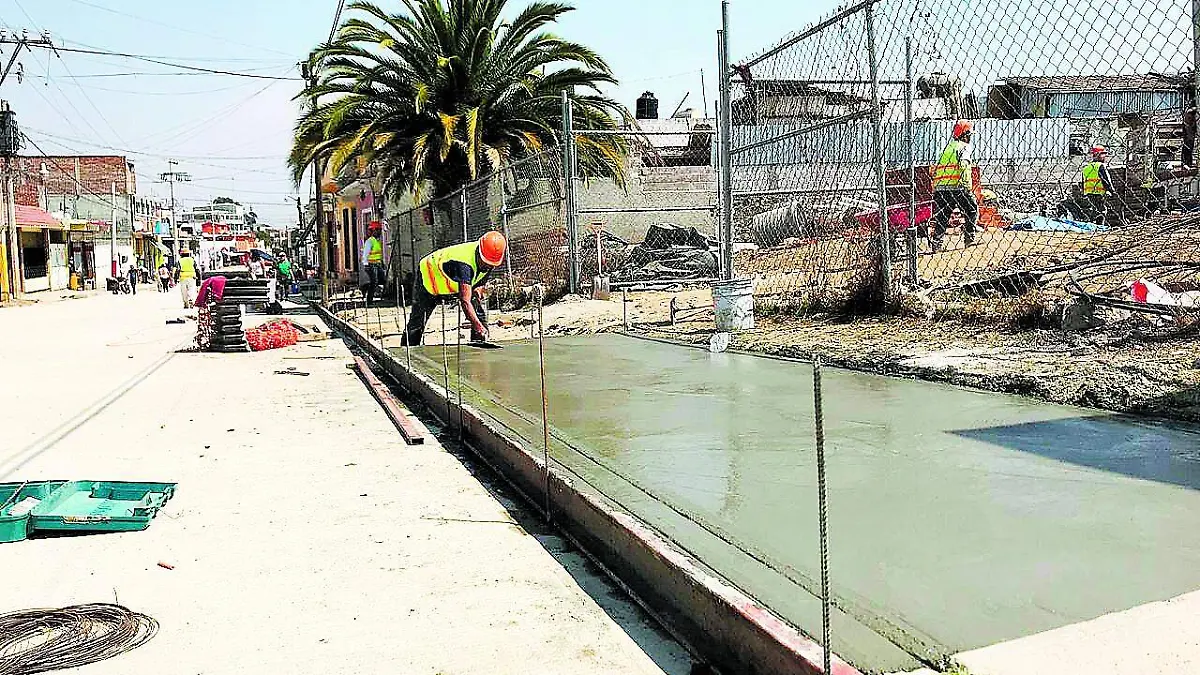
{"points": [[170, 177]]}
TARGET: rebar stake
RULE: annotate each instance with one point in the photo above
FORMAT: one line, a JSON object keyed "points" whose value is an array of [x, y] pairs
{"points": [[823, 508], [545, 405]]}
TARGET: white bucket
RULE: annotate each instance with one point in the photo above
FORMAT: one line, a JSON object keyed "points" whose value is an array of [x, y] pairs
{"points": [[733, 304]]}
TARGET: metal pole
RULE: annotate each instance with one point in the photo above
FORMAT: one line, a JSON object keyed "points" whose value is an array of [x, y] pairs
{"points": [[545, 405], [174, 218], [1195, 52], [458, 366], [13, 236], [113, 232], [569, 194], [885, 230], [703, 94], [822, 510], [462, 201], [504, 229], [725, 199], [910, 238]]}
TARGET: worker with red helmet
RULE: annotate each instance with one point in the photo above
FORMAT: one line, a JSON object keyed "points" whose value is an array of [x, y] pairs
{"points": [[952, 187], [372, 261], [455, 272], [1096, 183]]}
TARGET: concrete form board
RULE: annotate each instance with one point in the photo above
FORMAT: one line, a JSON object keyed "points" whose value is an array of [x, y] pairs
{"points": [[718, 621], [960, 519]]}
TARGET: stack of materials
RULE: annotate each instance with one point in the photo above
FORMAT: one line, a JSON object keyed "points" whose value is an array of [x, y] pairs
{"points": [[221, 323]]}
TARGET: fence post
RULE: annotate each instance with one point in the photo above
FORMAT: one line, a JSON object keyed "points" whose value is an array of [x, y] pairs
{"points": [[462, 202], [910, 238], [504, 230], [569, 204], [885, 230], [725, 155]]}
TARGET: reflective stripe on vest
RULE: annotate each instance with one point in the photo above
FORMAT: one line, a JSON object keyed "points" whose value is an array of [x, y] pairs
{"points": [[374, 251], [187, 268], [1092, 183], [434, 277], [949, 170]]}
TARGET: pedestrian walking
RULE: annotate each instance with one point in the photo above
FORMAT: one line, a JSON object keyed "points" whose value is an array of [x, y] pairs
{"points": [[185, 274], [164, 278], [132, 273], [952, 188]]}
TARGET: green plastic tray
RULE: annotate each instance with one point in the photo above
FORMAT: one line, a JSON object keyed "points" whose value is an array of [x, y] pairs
{"points": [[15, 528], [100, 506]]}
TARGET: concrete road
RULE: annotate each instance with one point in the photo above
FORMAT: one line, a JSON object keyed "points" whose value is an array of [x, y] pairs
{"points": [[304, 536], [994, 529]]}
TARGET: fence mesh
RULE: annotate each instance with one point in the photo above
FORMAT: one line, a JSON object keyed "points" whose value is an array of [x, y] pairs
{"points": [[1081, 151]]}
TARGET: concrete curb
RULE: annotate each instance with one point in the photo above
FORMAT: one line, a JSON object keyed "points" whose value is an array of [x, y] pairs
{"points": [[721, 624]]}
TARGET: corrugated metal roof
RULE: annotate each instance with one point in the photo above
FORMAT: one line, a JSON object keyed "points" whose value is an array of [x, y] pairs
{"points": [[1097, 82]]}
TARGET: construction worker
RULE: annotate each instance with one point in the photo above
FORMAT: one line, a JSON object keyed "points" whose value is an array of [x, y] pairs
{"points": [[372, 261], [458, 272], [185, 274], [952, 187], [1096, 183]]}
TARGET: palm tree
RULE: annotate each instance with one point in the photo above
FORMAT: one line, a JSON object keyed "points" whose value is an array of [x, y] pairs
{"points": [[447, 91]]}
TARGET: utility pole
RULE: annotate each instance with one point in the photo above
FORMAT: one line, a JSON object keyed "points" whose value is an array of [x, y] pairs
{"points": [[112, 201], [295, 246], [10, 145], [22, 42], [170, 177], [309, 71]]}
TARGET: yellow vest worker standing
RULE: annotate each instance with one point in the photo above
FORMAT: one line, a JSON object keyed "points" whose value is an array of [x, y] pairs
{"points": [[187, 277], [372, 261], [455, 272], [952, 187], [1096, 184]]}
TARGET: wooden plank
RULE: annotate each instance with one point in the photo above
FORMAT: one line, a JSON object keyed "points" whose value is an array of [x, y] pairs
{"points": [[395, 411]]}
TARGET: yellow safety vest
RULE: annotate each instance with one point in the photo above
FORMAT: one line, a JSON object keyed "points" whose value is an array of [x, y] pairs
{"points": [[374, 251], [187, 268], [435, 279], [950, 174], [1092, 183]]}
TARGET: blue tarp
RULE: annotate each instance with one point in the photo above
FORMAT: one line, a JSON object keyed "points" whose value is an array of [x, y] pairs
{"points": [[1044, 224]]}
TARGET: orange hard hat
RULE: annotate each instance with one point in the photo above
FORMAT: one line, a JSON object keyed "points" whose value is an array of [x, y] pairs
{"points": [[1099, 150], [375, 226], [961, 127], [492, 247]]}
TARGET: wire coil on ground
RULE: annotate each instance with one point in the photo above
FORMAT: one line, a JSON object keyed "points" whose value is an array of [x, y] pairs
{"points": [[42, 640]]}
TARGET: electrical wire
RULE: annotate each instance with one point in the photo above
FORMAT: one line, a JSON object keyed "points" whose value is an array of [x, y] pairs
{"points": [[42, 640], [104, 199], [181, 66]]}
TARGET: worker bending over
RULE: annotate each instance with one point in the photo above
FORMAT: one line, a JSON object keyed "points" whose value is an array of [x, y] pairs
{"points": [[372, 261], [1096, 183], [952, 188], [458, 272]]}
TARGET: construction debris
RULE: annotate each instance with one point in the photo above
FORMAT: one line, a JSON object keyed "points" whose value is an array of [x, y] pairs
{"points": [[669, 253]]}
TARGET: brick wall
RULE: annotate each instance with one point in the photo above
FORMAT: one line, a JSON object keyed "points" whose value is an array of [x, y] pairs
{"points": [[73, 175]]}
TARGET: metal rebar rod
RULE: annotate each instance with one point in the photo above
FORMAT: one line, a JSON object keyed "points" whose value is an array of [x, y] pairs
{"points": [[458, 366], [803, 191], [508, 273], [822, 509], [638, 132], [645, 209], [545, 406], [445, 363]]}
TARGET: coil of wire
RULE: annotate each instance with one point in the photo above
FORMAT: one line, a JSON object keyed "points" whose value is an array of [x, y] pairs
{"points": [[42, 640]]}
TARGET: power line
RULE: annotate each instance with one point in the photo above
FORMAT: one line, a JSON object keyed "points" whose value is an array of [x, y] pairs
{"points": [[337, 18], [181, 66], [104, 199], [174, 27]]}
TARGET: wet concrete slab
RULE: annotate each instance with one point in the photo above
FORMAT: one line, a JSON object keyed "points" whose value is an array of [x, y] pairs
{"points": [[958, 519]]}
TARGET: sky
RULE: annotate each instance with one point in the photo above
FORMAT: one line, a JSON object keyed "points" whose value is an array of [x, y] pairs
{"points": [[232, 134]]}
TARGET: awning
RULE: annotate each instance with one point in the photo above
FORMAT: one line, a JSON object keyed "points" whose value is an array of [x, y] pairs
{"points": [[161, 249], [32, 217]]}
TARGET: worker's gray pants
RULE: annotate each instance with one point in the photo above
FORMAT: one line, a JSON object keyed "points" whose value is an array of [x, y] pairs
{"points": [[944, 204]]}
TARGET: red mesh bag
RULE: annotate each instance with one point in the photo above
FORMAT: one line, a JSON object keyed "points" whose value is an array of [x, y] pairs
{"points": [[273, 335]]}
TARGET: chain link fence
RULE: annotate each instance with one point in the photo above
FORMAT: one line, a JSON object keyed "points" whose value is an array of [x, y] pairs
{"points": [[1081, 153]]}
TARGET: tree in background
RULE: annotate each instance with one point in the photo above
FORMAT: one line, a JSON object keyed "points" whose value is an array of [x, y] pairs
{"points": [[447, 91]]}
